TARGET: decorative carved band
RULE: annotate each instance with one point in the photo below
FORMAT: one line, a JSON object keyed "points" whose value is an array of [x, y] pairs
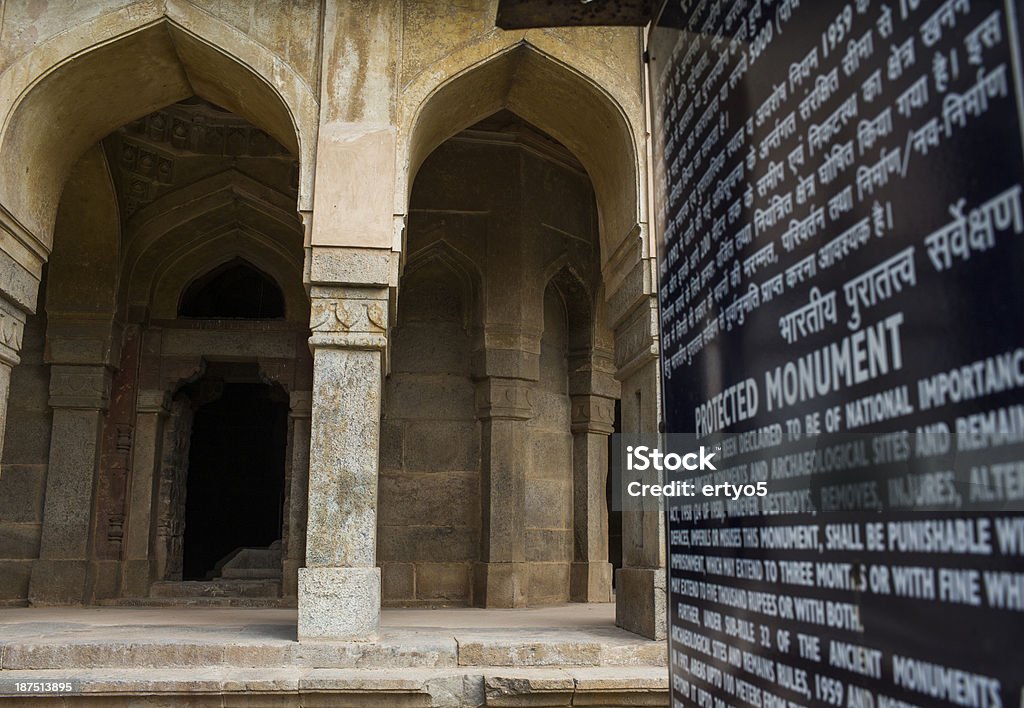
{"points": [[12, 332], [85, 387], [349, 321], [593, 414], [498, 398]]}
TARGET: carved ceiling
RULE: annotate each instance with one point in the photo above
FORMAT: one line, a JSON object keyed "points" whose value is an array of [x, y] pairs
{"points": [[188, 141]]}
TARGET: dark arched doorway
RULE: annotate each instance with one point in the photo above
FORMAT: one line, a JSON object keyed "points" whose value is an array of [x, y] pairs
{"points": [[236, 468]]}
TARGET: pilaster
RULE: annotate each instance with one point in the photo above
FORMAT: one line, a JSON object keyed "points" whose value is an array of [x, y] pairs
{"points": [[592, 422], [79, 396], [297, 485], [12, 331], [139, 560], [501, 577]]}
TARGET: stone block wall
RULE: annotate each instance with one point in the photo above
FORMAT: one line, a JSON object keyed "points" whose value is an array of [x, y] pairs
{"points": [[23, 470], [429, 492], [495, 211], [548, 521]]}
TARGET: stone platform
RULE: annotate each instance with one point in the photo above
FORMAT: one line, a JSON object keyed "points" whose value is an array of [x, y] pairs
{"points": [[570, 655]]}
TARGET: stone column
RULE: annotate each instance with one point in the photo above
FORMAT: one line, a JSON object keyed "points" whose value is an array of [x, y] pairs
{"points": [[12, 329], [139, 562], [633, 313], [297, 491], [592, 423], [501, 577], [640, 583], [79, 396], [339, 589]]}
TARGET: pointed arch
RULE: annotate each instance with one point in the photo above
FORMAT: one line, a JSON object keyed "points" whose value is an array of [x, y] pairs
{"points": [[62, 97], [466, 273], [579, 307], [555, 97]]}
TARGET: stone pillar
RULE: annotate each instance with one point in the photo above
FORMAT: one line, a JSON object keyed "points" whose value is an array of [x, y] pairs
{"points": [[139, 562], [640, 600], [640, 583], [297, 491], [592, 423], [339, 589], [501, 577], [21, 268], [12, 330], [79, 396]]}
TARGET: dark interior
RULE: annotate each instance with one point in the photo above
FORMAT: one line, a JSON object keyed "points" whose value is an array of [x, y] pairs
{"points": [[235, 475], [233, 290]]}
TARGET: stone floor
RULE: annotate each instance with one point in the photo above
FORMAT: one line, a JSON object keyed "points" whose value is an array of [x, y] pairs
{"points": [[552, 656]]}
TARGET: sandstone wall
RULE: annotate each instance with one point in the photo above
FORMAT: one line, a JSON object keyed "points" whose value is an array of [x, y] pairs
{"points": [[23, 478], [496, 211]]}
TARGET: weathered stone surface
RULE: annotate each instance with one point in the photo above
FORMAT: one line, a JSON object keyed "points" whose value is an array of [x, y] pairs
{"points": [[443, 581], [549, 582], [339, 603], [57, 582], [437, 445], [19, 540], [549, 545], [420, 396], [14, 577], [365, 106], [590, 581], [639, 594], [343, 458], [398, 581], [548, 503], [21, 488], [351, 266], [391, 445], [500, 652], [430, 499], [439, 543]]}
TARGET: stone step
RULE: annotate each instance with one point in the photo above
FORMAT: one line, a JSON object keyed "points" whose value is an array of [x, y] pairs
{"points": [[222, 588], [554, 687], [251, 573], [180, 647], [193, 602], [251, 563]]}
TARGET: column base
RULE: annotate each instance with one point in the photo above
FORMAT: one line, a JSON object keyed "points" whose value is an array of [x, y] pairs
{"points": [[58, 582], [500, 584], [136, 577], [640, 601], [339, 604], [591, 582]]}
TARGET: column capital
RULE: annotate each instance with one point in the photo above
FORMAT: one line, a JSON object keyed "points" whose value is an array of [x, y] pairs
{"points": [[12, 332], [507, 399], [153, 401], [80, 386], [508, 350], [348, 318], [72, 338], [300, 404], [593, 414]]}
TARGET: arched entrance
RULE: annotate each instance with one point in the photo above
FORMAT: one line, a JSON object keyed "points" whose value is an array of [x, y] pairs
{"points": [[235, 489], [493, 460], [136, 184], [602, 128]]}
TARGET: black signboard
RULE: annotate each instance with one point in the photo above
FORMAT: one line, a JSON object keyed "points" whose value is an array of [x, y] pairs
{"points": [[840, 192]]}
